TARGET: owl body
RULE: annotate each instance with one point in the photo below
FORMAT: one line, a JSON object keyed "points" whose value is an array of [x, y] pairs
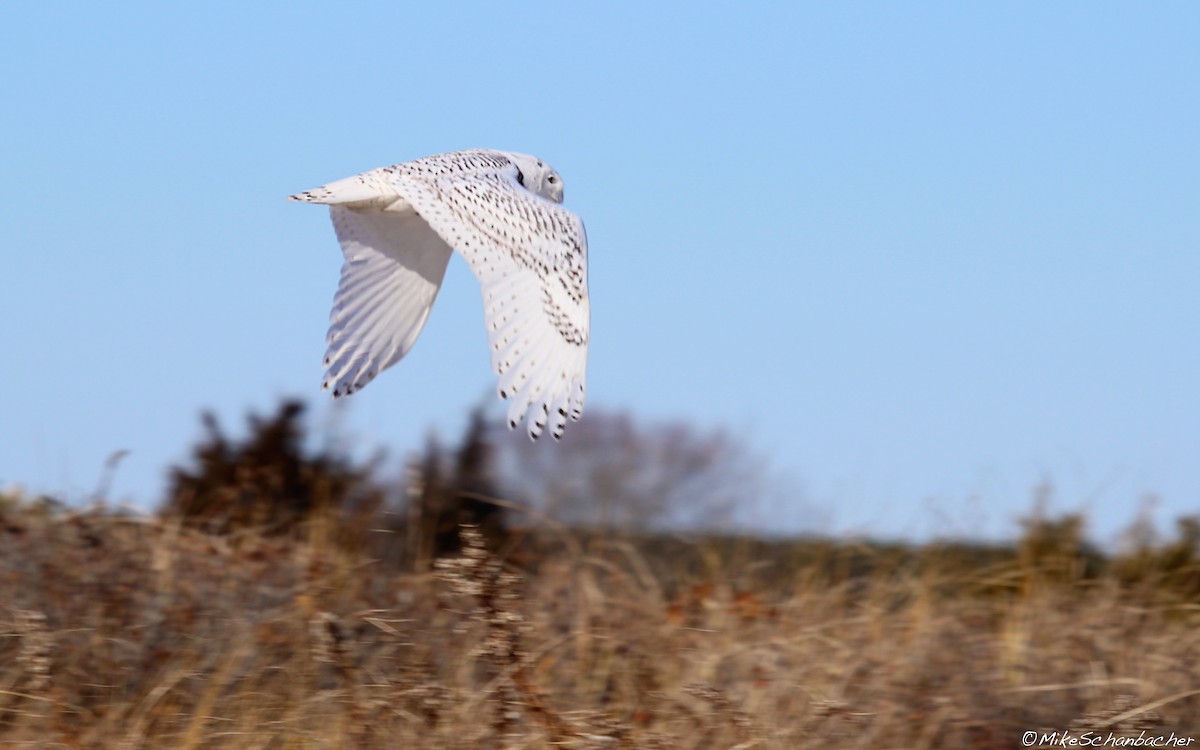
{"points": [[502, 212]]}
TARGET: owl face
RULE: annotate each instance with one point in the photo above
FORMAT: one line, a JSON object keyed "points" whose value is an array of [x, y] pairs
{"points": [[539, 177]]}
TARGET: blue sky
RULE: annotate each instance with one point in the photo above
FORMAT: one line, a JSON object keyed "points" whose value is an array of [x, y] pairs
{"points": [[921, 257]]}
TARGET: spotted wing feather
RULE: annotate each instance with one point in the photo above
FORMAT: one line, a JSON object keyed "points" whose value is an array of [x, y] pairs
{"points": [[530, 257], [393, 268]]}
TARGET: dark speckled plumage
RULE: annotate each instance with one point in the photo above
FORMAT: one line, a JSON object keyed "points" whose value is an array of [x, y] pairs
{"points": [[502, 212]]}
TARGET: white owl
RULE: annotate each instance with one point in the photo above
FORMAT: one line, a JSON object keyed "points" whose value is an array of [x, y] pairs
{"points": [[501, 211]]}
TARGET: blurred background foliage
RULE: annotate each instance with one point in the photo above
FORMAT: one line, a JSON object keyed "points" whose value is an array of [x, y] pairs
{"points": [[666, 484], [601, 588]]}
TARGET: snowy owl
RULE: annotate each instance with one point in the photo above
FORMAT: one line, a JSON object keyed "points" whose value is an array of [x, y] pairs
{"points": [[501, 211]]}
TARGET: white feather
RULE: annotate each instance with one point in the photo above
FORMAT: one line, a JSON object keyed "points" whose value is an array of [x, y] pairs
{"points": [[501, 212]]}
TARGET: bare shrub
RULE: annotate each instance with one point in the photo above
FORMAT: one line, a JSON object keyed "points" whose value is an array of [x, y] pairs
{"points": [[267, 482], [612, 472]]}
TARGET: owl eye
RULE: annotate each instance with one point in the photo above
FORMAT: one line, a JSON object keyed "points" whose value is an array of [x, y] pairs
{"points": [[552, 179]]}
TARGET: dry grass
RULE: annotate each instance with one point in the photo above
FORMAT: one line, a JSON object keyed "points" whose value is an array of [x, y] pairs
{"points": [[120, 632]]}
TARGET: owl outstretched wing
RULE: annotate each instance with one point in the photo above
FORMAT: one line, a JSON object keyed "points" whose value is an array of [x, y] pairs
{"points": [[500, 211]]}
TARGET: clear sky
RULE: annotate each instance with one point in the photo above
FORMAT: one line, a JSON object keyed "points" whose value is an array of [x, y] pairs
{"points": [[921, 257]]}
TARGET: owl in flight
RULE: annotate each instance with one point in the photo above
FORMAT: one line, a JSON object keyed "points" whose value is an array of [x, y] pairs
{"points": [[502, 212]]}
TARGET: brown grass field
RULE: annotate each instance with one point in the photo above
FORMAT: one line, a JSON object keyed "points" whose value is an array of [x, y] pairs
{"points": [[130, 632]]}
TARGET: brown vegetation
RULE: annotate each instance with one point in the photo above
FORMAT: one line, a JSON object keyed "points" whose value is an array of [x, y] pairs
{"points": [[139, 633], [265, 608]]}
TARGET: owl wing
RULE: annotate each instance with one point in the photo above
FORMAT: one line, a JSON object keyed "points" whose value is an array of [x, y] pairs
{"points": [[393, 268], [530, 257]]}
